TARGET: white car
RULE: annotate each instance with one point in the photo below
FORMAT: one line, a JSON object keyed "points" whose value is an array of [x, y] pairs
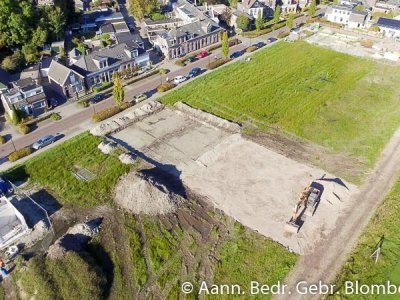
{"points": [[179, 79]]}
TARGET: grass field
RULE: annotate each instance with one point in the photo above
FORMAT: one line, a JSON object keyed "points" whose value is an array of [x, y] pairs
{"points": [[52, 170], [344, 103], [360, 266]]}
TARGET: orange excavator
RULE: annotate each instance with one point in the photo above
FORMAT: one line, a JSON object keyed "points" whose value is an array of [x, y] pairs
{"points": [[307, 202]]}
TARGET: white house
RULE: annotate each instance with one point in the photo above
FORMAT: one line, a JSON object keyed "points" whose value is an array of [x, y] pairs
{"points": [[346, 16], [389, 27]]}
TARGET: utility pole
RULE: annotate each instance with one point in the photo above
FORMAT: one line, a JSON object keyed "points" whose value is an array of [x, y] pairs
{"points": [[12, 142]]}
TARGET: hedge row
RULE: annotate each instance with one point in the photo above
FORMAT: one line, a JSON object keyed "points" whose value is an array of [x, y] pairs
{"points": [[19, 154], [256, 33], [217, 63], [165, 87], [109, 112], [282, 35], [24, 129], [102, 87]]}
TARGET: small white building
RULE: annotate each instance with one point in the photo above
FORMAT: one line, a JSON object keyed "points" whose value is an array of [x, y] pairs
{"points": [[345, 15], [12, 223], [389, 27]]}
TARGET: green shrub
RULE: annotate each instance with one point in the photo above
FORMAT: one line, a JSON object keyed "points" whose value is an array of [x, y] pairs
{"points": [[24, 129], [179, 63], [102, 87], [251, 49], [217, 63], [256, 33], [282, 35], [83, 103], [165, 87], [278, 26], [14, 156], [2, 140], [109, 112], [213, 47], [55, 117]]}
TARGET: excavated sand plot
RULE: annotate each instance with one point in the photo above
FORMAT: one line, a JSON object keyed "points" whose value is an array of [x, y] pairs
{"points": [[249, 182]]}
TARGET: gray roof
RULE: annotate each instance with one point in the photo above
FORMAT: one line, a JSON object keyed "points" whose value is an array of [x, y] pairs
{"points": [[59, 73], [132, 40], [358, 17], [107, 28], [198, 28], [25, 84], [389, 23], [159, 22], [113, 54]]}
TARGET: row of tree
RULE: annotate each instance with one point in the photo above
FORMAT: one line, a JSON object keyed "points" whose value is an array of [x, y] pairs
{"points": [[24, 29], [143, 8]]}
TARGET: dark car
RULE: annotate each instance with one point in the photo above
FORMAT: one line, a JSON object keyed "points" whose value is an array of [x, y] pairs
{"points": [[271, 40], [259, 45], [236, 54], [44, 141], [194, 72], [191, 58], [96, 98], [53, 102]]}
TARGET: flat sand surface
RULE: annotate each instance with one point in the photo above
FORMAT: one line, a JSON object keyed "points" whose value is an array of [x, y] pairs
{"points": [[249, 182]]}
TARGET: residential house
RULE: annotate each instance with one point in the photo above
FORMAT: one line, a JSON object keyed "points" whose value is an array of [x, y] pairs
{"points": [[187, 38], [386, 6], [253, 8], [64, 81], [154, 28], [389, 27], [347, 16], [99, 66], [288, 6], [26, 95]]}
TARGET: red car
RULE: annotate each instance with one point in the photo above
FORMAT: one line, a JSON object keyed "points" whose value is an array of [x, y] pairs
{"points": [[202, 54]]}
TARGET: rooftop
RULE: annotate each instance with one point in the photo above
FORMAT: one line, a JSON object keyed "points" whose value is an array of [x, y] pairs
{"points": [[389, 23]]}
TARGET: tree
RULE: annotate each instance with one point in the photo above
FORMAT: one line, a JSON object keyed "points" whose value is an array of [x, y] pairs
{"points": [[289, 21], [233, 3], [259, 21], [118, 90], [226, 16], [56, 22], [277, 13], [359, 7], [225, 44], [311, 11], [242, 22], [14, 116], [162, 72], [13, 62]]}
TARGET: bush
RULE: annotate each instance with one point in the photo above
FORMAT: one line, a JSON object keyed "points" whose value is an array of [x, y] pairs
{"points": [[251, 49], [2, 140], [278, 26], [374, 28], [213, 47], [256, 33], [217, 63], [55, 117], [83, 103], [165, 87], [282, 35], [109, 112], [179, 63], [14, 156], [24, 129], [102, 87]]}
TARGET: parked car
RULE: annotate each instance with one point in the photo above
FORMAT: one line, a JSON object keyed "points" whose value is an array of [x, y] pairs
{"points": [[139, 98], [202, 54], [191, 58], [44, 141], [179, 79], [236, 54], [53, 102], [271, 40], [259, 45], [194, 72], [97, 98]]}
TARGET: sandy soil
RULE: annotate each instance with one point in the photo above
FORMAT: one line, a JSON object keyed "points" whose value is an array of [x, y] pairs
{"points": [[252, 184]]}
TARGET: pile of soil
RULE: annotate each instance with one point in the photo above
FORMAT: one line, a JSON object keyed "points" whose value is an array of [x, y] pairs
{"points": [[75, 239], [138, 194]]}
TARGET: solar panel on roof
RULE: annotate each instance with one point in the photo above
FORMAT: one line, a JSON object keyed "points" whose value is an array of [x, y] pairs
{"points": [[392, 23]]}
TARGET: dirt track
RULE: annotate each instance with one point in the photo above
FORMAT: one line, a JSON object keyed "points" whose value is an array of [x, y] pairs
{"points": [[328, 257]]}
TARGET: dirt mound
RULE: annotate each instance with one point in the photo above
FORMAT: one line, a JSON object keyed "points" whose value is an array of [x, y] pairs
{"points": [[138, 194], [75, 239], [206, 118], [127, 119]]}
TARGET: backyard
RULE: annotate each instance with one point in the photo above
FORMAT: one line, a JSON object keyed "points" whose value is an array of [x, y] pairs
{"points": [[346, 104]]}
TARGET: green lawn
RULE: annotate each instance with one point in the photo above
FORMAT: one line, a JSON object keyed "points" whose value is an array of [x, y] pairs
{"points": [[347, 104], [52, 170], [360, 266]]}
